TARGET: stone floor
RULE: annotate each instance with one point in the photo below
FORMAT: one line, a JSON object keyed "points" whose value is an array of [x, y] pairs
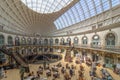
{"points": [[14, 73]]}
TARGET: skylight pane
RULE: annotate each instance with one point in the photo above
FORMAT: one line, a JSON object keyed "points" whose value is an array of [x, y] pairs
{"points": [[115, 2], [64, 19], [99, 9], [68, 18], [106, 5], [56, 24], [85, 9]]}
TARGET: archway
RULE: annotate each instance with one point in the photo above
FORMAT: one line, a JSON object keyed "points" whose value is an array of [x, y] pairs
{"points": [[23, 41], [10, 40], [62, 41], [45, 41], [110, 40], [84, 40], [76, 40], [51, 41], [35, 41], [56, 41], [95, 41], [69, 41], [29, 42], [40, 42], [17, 41], [2, 56]]}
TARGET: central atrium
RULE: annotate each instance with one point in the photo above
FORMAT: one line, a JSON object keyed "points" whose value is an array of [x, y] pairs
{"points": [[59, 39]]}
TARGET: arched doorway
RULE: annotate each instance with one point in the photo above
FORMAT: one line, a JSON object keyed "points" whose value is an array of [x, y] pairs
{"points": [[51, 41], [45, 41], [23, 41], [76, 41], [95, 41], [62, 41], [110, 40], [2, 56], [56, 41], [84, 41], [35, 41], [10, 41], [29, 42], [69, 41], [109, 60], [40, 42], [17, 41], [2, 40]]}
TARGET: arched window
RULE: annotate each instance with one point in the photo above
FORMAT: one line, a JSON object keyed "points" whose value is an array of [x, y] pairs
{"points": [[17, 41], [76, 41], [84, 40], [2, 40], [23, 41], [51, 41], [10, 40], [34, 41], [95, 41], [45, 41], [56, 41], [110, 39], [29, 41], [40, 41], [2, 56], [62, 41], [68, 39]]}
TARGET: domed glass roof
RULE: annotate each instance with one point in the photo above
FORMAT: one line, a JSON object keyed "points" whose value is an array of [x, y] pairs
{"points": [[46, 6]]}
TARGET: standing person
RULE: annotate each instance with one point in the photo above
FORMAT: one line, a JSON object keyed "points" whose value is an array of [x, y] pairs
{"points": [[22, 71], [1, 72], [44, 64]]}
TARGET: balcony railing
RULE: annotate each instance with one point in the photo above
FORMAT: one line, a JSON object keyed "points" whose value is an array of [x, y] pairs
{"points": [[110, 48]]}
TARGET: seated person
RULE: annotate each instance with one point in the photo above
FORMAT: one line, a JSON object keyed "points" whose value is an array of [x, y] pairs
{"points": [[73, 67], [66, 76], [48, 72], [56, 74], [54, 68], [71, 72], [67, 66], [40, 71], [81, 68], [59, 64], [63, 70], [47, 66], [29, 77], [38, 75]]}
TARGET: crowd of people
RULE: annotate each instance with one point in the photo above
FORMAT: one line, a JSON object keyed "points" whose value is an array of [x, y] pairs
{"points": [[56, 72]]}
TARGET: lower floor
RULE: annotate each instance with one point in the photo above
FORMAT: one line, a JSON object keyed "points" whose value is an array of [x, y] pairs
{"points": [[14, 74]]}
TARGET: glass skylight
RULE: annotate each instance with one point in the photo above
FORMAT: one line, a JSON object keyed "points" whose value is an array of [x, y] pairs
{"points": [[46, 6], [82, 10]]}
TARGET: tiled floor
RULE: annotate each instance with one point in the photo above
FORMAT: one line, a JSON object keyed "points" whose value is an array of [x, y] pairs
{"points": [[14, 73]]}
